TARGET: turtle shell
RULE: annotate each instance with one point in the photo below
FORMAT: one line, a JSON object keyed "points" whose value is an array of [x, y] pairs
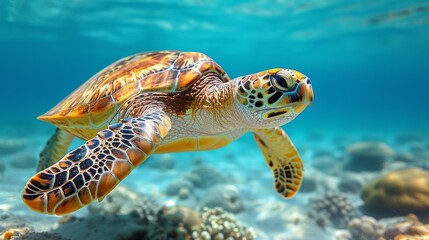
{"points": [[93, 105]]}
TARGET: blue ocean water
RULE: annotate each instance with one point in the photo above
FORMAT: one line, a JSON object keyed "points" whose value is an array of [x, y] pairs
{"points": [[368, 60]]}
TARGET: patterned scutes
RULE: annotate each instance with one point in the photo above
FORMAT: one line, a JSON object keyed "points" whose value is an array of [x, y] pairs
{"points": [[166, 71]]}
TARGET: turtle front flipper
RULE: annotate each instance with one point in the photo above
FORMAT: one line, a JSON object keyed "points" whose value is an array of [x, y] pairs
{"points": [[55, 149], [282, 158], [91, 171]]}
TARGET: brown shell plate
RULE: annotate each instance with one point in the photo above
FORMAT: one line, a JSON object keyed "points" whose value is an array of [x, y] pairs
{"points": [[96, 100]]}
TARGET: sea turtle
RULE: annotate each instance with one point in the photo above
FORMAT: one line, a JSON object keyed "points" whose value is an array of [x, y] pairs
{"points": [[159, 102]]}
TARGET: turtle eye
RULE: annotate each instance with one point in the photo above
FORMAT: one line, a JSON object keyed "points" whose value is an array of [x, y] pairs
{"points": [[286, 83]]}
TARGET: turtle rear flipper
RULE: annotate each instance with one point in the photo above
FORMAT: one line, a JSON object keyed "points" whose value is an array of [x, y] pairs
{"points": [[282, 158], [91, 171], [55, 149]]}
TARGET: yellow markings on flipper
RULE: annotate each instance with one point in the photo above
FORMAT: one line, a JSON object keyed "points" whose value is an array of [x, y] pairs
{"points": [[212, 142], [194, 144], [94, 169], [182, 145], [282, 158]]}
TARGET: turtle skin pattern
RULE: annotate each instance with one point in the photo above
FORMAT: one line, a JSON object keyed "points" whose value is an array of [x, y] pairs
{"points": [[91, 171]]}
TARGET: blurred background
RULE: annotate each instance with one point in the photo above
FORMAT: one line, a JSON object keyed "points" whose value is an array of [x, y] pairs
{"points": [[367, 59]]}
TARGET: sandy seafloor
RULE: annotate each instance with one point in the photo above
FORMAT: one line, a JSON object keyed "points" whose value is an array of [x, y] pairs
{"points": [[256, 204]]}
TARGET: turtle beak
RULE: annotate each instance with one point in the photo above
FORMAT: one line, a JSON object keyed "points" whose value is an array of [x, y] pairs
{"points": [[307, 85], [310, 93]]}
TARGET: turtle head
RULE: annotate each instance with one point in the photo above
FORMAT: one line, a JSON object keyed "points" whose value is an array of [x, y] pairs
{"points": [[274, 97]]}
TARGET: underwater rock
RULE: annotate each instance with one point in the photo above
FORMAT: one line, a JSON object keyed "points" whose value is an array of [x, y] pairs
{"points": [[309, 184], [350, 184], [161, 162], [181, 188], [10, 146], [9, 221], [365, 228], [204, 176], [410, 229], [2, 168], [226, 197], [368, 156], [24, 162], [398, 191], [406, 138], [326, 164], [418, 149], [100, 227], [217, 224], [333, 209], [29, 234], [174, 222], [122, 201], [404, 157]]}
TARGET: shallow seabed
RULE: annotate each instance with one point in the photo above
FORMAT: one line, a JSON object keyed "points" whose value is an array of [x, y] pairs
{"points": [[235, 178], [367, 127]]}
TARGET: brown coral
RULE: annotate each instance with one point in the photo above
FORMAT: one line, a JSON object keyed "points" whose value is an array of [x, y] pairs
{"points": [[409, 229], [405, 190]]}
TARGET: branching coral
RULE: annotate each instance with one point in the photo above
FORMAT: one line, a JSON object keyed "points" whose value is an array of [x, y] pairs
{"points": [[217, 224], [333, 208]]}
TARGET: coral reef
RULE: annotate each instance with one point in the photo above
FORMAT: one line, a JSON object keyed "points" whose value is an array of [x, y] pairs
{"points": [[11, 146], [368, 156], [411, 229], [122, 201], [365, 228], [181, 188], [217, 224], [332, 209], [399, 191], [29, 234], [24, 162], [226, 197], [204, 176]]}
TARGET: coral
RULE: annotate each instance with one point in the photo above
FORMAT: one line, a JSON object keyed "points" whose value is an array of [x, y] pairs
{"points": [[204, 176], [226, 197], [365, 228], [368, 156], [28, 234], [400, 190], [332, 208], [173, 223], [218, 224], [411, 229], [10, 146], [24, 162], [180, 187], [122, 201]]}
